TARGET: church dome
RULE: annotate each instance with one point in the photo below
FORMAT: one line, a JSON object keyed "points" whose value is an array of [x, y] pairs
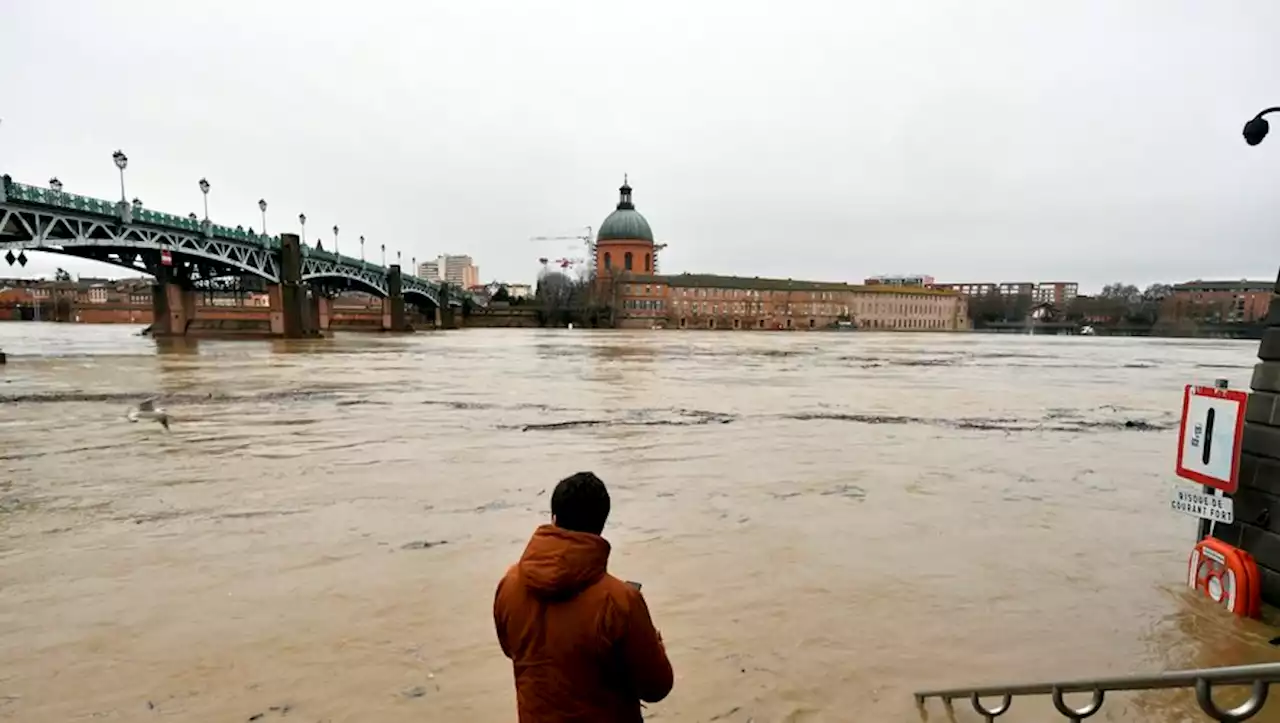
{"points": [[625, 223]]}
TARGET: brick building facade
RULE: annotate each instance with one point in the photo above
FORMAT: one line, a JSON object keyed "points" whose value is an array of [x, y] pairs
{"points": [[704, 301], [1218, 302]]}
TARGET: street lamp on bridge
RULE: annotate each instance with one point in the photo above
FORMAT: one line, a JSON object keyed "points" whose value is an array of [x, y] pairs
{"points": [[204, 188], [302, 219], [335, 241], [122, 162], [1256, 129], [56, 185], [384, 255], [397, 258], [362, 249], [262, 206]]}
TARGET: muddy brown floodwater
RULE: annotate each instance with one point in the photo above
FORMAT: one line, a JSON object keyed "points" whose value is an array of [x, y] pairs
{"points": [[823, 523]]}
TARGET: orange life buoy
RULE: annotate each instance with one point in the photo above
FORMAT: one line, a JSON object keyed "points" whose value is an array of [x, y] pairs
{"points": [[1226, 575]]}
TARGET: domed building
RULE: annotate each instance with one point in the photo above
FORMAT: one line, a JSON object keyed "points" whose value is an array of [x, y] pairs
{"points": [[624, 243], [637, 296]]}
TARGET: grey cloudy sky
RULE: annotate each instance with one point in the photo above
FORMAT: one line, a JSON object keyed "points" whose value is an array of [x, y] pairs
{"points": [[1090, 140]]}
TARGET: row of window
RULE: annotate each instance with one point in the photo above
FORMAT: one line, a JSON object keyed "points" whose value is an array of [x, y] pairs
{"points": [[863, 308], [813, 323], [628, 261]]}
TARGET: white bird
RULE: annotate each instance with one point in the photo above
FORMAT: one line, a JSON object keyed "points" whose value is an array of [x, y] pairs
{"points": [[149, 411]]}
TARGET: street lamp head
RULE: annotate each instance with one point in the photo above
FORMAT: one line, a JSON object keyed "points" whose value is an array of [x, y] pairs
{"points": [[362, 240], [302, 219], [1255, 130], [262, 205], [55, 184], [121, 159], [192, 216], [335, 229], [137, 203], [204, 186]]}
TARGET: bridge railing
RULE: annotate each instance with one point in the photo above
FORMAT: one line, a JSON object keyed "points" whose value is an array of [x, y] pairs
{"points": [[1258, 677], [24, 193]]}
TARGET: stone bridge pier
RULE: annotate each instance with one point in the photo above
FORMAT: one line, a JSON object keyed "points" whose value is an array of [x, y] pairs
{"points": [[291, 314], [393, 315], [173, 304]]}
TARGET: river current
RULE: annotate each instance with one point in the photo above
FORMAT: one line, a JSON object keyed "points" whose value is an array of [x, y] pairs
{"points": [[822, 523]]}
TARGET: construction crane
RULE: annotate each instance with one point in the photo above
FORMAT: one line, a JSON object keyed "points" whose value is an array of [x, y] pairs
{"points": [[589, 239]]}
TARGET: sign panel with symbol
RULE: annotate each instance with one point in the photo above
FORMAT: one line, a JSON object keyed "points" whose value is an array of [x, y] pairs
{"points": [[1209, 436]]}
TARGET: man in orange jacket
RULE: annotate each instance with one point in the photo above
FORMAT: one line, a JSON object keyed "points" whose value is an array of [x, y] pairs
{"points": [[581, 642]]}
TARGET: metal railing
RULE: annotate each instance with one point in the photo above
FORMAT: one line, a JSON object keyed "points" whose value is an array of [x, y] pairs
{"points": [[1258, 677]]}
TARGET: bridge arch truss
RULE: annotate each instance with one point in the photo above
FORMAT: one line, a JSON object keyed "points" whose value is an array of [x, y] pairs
{"points": [[132, 246]]}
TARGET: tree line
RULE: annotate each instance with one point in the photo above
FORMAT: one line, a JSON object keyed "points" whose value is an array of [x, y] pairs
{"points": [[1117, 304]]}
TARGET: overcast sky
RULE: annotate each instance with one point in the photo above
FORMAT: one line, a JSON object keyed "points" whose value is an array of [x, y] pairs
{"points": [[1089, 140]]}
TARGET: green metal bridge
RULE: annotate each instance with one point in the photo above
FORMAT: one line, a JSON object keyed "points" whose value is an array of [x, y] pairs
{"points": [[142, 239]]}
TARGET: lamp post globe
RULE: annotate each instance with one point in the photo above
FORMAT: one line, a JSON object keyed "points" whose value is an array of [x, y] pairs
{"points": [[121, 161], [1255, 130], [55, 184], [362, 249], [335, 240], [204, 189], [302, 220], [1258, 127], [262, 206]]}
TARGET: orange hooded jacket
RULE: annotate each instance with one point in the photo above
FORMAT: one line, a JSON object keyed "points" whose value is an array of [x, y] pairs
{"points": [[581, 642]]}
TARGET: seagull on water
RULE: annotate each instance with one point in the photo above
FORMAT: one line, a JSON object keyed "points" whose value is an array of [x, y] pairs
{"points": [[147, 410]]}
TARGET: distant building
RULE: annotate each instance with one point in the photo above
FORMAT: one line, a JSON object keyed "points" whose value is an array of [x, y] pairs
{"points": [[429, 270], [516, 291], [920, 280], [1219, 302], [1058, 293], [708, 301], [971, 289], [457, 270]]}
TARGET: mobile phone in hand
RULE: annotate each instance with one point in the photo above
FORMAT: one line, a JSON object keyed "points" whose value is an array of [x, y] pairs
{"points": [[634, 584]]}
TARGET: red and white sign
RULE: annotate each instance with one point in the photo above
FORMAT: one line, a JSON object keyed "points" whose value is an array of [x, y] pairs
{"points": [[166, 258], [1209, 436]]}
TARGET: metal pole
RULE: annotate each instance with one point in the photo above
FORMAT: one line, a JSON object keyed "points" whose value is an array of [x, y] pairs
{"points": [[123, 197]]}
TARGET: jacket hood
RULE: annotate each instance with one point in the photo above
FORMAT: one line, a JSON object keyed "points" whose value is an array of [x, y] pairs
{"points": [[557, 563]]}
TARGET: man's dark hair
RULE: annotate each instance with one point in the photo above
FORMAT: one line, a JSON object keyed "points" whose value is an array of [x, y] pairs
{"points": [[581, 503]]}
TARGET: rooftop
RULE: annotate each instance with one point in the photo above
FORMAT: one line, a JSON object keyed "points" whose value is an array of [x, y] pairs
{"points": [[1235, 285], [717, 281]]}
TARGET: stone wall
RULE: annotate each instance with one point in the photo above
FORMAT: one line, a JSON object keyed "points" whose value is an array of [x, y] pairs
{"points": [[1257, 502], [523, 317]]}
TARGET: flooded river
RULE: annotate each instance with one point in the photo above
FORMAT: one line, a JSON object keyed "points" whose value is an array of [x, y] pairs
{"points": [[823, 523]]}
